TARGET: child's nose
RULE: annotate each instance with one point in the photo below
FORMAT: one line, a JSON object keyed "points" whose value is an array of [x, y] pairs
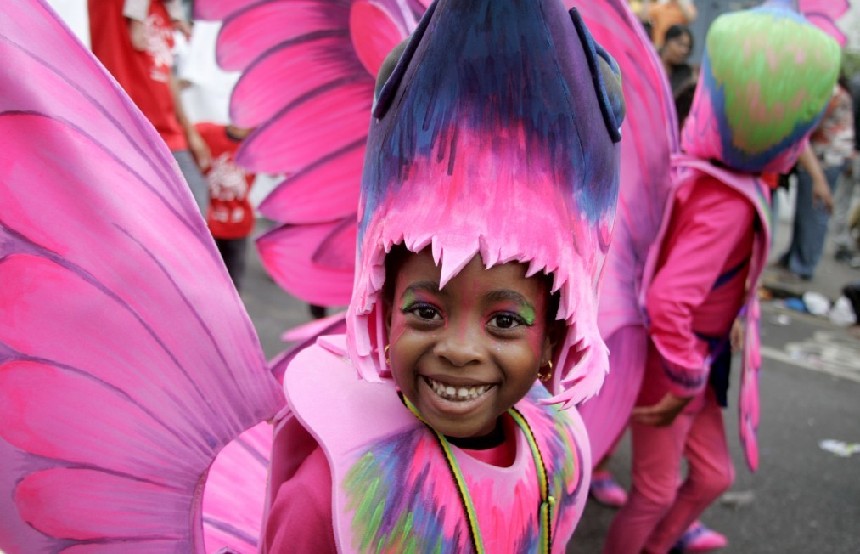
{"points": [[460, 345]]}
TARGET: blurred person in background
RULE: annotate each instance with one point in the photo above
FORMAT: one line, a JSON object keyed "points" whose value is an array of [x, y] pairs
{"points": [[676, 49], [819, 169], [134, 41], [841, 227], [666, 13]]}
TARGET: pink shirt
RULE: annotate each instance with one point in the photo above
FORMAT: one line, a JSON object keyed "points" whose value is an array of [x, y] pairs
{"points": [[300, 519], [700, 284]]}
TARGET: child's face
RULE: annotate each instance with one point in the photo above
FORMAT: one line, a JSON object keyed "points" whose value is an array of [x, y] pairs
{"points": [[467, 353]]}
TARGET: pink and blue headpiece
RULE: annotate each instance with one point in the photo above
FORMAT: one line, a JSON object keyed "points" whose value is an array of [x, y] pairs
{"points": [[496, 134]]}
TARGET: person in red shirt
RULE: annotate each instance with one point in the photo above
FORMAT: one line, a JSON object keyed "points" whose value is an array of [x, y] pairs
{"points": [[138, 52], [230, 216]]}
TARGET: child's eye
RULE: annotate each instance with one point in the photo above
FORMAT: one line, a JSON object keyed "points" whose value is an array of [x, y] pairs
{"points": [[424, 311], [506, 321]]}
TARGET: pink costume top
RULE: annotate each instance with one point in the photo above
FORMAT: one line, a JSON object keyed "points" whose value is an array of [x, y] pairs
{"points": [[381, 475], [700, 283], [307, 526]]}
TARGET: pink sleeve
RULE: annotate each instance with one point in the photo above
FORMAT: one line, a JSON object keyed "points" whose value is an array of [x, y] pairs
{"points": [[707, 227], [300, 519]]}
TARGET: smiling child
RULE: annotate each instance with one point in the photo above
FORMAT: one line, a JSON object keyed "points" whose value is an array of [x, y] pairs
{"points": [[487, 201]]}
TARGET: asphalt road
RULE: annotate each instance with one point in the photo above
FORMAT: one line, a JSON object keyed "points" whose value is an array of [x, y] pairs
{"points": [[803, 499]]}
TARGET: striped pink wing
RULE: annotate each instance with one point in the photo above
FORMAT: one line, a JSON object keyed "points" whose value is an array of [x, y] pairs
{"points": [[126, 358], [648, 138], [308, 72]]}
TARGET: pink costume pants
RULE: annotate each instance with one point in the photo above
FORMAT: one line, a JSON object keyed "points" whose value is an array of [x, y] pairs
{"points": [[658, 510]]}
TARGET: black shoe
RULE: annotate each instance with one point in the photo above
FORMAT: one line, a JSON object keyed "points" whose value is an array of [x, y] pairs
{"points": [[843, 254], [317, 312]]}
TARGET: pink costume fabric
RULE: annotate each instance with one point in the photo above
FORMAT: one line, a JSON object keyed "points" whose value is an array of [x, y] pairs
{"points": [[307, 526], [313, 129]]}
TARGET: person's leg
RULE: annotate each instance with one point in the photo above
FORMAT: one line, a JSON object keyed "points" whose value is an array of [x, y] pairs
{"points": [[233, 252], [802, 205], [657, 453], [839, 227], [710, 473], [811, 220], [196, 181]]}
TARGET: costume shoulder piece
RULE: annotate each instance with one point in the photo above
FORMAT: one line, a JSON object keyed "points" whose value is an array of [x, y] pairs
{"points": [[496, 134], [393, 490]]}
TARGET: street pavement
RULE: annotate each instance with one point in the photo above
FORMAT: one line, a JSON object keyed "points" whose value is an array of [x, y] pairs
{"points": [[803, 499]]}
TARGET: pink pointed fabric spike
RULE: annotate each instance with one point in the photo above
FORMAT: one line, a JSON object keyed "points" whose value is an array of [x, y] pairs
{"points": [[126, 358], [309, 68]]}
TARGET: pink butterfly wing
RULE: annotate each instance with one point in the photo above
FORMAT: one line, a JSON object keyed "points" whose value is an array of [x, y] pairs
{"points": [[309, 68], [126, 358], [312, 260], [648, 139]]}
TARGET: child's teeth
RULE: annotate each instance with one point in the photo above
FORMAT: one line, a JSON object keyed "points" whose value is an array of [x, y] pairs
{"points": [[457, 393]]}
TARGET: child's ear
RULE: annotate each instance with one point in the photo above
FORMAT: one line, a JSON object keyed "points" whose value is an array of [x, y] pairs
{"points": [[386, 313], [554, 336]]}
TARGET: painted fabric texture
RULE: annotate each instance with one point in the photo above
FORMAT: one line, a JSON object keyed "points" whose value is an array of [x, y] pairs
{"points": [[498, 139]]}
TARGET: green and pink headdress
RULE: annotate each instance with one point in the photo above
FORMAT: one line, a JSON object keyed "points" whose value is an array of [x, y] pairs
{"points": [[766, 77], [496, 134]]}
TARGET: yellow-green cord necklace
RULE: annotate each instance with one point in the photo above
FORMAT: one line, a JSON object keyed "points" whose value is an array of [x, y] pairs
{"points": [[547, 502]]}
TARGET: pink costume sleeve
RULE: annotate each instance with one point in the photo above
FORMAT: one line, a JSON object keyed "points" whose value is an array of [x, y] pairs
{"points": [[300, 519], [709, 222]]}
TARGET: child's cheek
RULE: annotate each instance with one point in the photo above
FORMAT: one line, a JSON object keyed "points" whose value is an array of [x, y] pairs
{"points": [[398, 327]]}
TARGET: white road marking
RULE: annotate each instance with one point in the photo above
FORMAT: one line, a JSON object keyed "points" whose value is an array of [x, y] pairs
{"points": [[823, 352]]}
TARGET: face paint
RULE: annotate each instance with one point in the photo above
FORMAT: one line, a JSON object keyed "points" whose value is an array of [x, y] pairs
{"points": [[465, 354], [408, 299], [527, 312]]}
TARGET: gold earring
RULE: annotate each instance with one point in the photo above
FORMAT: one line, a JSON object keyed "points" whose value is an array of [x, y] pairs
{"points": [[387, 355], [545, 377]]}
